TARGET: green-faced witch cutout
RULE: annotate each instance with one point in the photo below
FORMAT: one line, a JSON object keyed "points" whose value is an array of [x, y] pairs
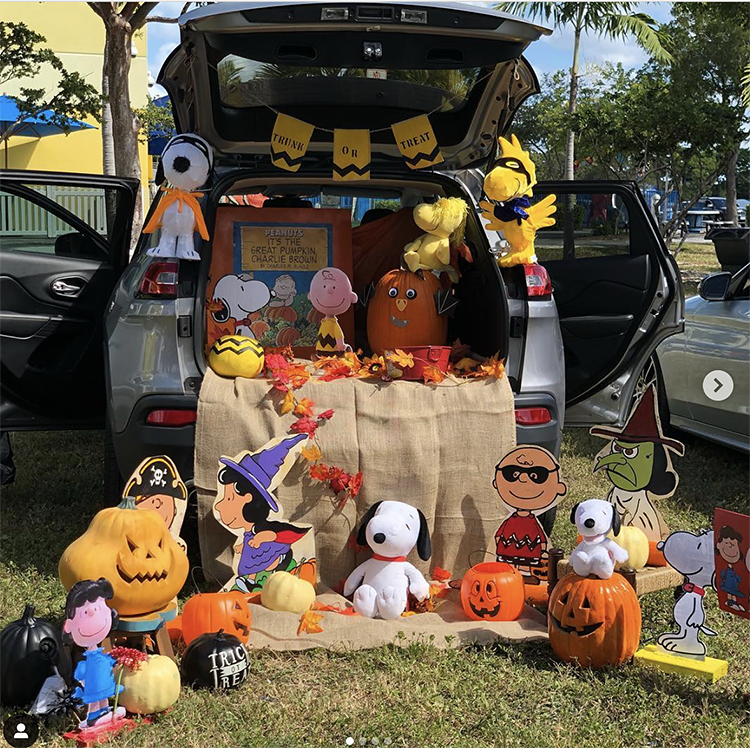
{"points": [[638, 463]]}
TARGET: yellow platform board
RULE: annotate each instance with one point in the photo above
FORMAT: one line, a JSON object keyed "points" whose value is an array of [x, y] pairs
{"points": [[709, 669]]}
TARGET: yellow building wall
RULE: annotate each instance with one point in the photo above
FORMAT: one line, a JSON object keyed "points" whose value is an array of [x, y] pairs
{"points": [[76, 35]]}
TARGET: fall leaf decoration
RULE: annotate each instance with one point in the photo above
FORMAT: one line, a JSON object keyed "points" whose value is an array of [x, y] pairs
{"points": [[304, 407], [400, 358], [439, 574], [432, 375], [494, 367], [338, 480], [287, 405], [311, 453], [310, 623]]}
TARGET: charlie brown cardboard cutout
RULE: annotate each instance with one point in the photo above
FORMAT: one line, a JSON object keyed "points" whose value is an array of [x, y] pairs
{"points": [[528, 482]]}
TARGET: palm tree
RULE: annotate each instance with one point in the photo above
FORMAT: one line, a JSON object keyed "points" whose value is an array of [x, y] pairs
{"points": [[612, 20]]}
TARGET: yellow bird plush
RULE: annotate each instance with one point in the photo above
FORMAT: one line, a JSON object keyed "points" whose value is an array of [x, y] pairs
{"points": [[444, 223], [509, 187]]}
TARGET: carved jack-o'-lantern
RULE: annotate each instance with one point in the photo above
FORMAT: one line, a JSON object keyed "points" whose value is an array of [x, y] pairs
{"points": [[492, 591], [403, 312], [133, 549], [212, 611], [594, 622]]}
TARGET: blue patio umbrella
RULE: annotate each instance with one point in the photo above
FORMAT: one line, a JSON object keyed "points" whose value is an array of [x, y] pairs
{"points": [[39, 125]]}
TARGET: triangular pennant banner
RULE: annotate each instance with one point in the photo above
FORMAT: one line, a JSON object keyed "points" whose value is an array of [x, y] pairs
{"points": [[351, 154], [289, 142], [417, 142]]}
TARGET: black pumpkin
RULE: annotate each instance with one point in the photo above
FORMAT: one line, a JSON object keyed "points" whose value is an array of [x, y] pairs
{"points": [[30, 648], [215, 660]]}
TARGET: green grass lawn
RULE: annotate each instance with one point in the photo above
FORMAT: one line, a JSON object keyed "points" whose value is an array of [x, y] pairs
{"points": [[504, 695]]}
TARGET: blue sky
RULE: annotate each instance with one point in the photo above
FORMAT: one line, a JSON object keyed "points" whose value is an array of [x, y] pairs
{"points": [[548, 54]]}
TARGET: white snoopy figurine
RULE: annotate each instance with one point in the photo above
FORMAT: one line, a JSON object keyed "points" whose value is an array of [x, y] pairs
{"points": [[382, 583], [596, 553], [187, 161], [692, 555], [240, 296]]}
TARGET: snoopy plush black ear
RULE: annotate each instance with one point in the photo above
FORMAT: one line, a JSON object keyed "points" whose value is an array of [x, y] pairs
{"points": [[424, 544], [159, 178], [369, 514], [573, 514], [616, 521]]}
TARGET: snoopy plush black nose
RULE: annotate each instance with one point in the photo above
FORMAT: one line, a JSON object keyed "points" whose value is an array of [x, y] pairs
{"points": [[181, 164], [379, 537], [589, 522]]}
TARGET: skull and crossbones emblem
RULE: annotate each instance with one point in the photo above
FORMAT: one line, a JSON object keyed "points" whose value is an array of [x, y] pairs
{"points": [[158, 476]]}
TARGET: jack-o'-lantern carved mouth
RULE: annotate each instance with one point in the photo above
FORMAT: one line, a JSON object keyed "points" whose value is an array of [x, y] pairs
{"points": [[142, 577], [399, 322], [578, 630], [485, 612]]}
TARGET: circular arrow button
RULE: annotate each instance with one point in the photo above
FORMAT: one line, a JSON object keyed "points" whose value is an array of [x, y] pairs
{"points": [[718, 385]]}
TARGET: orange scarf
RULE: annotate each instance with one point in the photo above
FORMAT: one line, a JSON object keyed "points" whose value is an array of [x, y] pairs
{"points": [[171, 195]]}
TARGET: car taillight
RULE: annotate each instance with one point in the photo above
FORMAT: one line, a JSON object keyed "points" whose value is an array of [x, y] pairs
{"points": [[538, 285], [532, 416], [169, 417], [160, 279]]}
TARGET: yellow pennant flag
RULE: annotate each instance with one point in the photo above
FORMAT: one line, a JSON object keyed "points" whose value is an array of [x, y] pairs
{"points": [[351, 154], [289, 142], [417, 142]]}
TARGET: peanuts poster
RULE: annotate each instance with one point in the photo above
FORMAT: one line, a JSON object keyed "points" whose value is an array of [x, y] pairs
{"points": [[262, 263], [732, 547]]}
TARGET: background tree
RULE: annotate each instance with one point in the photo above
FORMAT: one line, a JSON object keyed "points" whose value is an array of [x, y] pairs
{"points": [[22, 56]]}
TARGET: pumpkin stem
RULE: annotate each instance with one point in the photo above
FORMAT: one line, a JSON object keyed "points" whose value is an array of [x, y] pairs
{"points": [[220, 634], [28, 616], [128, 502]]}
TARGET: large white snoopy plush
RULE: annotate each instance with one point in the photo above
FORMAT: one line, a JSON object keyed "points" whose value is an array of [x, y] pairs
{"points": [[596, 553], [239, 297], [186, 162], [381, 584]]}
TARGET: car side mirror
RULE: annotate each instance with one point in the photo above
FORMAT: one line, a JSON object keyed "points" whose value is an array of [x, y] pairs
{"points": [[715, 287]]}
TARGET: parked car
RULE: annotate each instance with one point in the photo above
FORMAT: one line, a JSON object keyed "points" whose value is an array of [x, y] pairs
{"points": [[706, 369], [575, 329]]}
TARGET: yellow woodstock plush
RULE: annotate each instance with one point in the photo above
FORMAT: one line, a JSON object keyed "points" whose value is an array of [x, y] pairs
{"points": [[508, 187], [445, 222]]}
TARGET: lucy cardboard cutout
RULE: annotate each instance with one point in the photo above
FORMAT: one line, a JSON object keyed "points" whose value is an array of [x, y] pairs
{"points": [[244, 501], [732, 545], [528, 481], [331, 294], [156, 484], [638, 464]]}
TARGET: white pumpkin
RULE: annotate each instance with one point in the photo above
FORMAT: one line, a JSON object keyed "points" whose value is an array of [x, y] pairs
{"points": [[152, 688], [284, 591], [635, 542]]}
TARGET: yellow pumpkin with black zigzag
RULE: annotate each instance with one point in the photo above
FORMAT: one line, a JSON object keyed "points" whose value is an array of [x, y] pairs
{"points": [[236, 356]]}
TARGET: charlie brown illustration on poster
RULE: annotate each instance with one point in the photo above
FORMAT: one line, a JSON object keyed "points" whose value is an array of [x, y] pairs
{"points": [[732, 545]]}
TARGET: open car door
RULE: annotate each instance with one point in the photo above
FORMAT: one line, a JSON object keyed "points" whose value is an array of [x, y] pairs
{"points": [[64, 241], [617, 292]]}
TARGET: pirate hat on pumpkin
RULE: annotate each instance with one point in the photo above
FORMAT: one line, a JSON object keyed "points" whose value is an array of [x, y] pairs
{"points": [[642, 426], [156, 476], [262, 467]]}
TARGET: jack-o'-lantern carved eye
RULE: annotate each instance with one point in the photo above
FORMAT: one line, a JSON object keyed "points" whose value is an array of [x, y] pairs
{"points": [[586, 603], [133, 547], [476, 588], [564, 598], [491, 589]]}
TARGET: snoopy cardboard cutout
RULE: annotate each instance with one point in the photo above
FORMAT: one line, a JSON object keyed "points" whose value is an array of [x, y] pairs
{"points": [[732, 559], [156, 484], [527, 480], [263, 262], [638, 463], [246, 506]]}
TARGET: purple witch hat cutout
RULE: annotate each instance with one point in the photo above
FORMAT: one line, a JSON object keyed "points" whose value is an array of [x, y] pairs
{"points": [[262, 467]]}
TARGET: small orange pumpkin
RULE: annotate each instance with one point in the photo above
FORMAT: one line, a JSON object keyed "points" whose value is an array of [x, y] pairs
{"points": [[208, 612], [403, 312], [287, 336], [307, 570], [259, 328], [281, 312], [492, 591], [594, 622]]}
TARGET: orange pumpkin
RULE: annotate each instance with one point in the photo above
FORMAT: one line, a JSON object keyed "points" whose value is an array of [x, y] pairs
{"points": [[403, 312], [594, 622], [492, 591], [259, 328], [281, 312], [287, 336], [209, 612], [308, 571]]}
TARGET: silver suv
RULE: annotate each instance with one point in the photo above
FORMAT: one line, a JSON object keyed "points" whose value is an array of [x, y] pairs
{"points": [[574, 329]]}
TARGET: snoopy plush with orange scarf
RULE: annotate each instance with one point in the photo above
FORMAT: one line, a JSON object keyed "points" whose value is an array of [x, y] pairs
{"points": [[186, 162]]}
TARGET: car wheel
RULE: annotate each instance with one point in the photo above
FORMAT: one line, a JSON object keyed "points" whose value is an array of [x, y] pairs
{"points": [[113, 482], [651, 376]]}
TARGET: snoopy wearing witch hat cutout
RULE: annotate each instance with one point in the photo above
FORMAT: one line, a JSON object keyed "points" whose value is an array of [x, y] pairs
{"points": [[187, 161]]}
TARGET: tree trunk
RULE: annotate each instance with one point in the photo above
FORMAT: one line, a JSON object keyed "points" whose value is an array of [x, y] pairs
{"points": [[731, 174], [108, 143], [125, 124], [569, 245]]}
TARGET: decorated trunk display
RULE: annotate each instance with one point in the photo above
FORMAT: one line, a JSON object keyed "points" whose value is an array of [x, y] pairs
{"points": [[152, 687], [594, 622], [492, 591], [212, 611], [215, 660], [24, 662], [405, 310], [135, 551]]}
